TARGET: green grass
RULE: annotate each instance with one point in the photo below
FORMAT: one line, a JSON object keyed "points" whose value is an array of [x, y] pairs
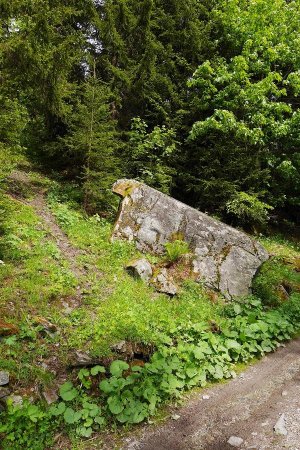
{"points": [[37, 279], [123, 308]]}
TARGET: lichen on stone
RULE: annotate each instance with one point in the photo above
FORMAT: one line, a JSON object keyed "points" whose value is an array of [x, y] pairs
{"points": [[226, 258]]}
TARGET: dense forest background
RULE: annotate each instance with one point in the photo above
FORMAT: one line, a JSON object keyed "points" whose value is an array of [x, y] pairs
{"points": [[198, 98]]}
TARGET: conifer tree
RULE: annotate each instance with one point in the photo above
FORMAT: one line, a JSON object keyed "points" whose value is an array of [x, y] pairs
{"points": [[44, 44], [92, 140], [149, 49]]}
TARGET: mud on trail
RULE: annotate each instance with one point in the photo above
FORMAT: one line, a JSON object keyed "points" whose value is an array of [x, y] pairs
{"points": [[247, 407]]}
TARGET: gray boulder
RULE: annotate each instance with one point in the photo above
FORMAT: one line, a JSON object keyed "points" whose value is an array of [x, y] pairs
{"points": [[224, 258]]}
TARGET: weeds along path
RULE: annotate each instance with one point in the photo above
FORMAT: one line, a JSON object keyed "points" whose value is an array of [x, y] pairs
{"points": [[38, 202], [247, 407], [69, 252]]}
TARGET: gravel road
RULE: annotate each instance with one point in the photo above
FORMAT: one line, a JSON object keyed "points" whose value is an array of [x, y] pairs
{"points": [[247, 407]]}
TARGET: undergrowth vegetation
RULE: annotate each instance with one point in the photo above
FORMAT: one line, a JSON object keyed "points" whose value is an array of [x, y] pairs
{"points": [[192, 339]]}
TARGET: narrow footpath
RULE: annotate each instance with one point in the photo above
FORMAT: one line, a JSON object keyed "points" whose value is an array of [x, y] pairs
{"points": [[247, 407]]}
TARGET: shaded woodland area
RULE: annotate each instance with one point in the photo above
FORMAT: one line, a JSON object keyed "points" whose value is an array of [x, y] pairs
{"points": [[199, 99]]}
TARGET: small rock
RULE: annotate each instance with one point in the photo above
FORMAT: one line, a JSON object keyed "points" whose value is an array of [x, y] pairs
{"points": [[284, 393], [140, 268], [4, 378], [205, 397], [235, 441], [175, 417], [47, 327], [279, 427], [4, 392], [67, 308], [119, 347], [82, 358], [50, 395], [16, 400], [163, 283]]}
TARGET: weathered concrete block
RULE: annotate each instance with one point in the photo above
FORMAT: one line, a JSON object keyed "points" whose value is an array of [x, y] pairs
{"points": [[225, 258]]}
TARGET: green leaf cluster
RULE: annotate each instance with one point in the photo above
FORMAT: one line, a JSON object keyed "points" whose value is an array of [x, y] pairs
{"points": [[176, 249], [77, 409], [132, 393], [26, 426]]}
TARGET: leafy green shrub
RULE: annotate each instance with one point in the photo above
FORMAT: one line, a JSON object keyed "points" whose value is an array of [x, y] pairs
{"points": [[83, 413], [176, 249], [131, 394], [292, 309], [150, 153], [273, 279], [25, 426], [248, 209]]}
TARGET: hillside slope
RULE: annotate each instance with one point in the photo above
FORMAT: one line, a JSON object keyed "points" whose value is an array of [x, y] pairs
{"points": [[66, 303]]}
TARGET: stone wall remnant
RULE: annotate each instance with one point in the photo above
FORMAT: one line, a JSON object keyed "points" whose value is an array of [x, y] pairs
{"points": [[226, 259]]}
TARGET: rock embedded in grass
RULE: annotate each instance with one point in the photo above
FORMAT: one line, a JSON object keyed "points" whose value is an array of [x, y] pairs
{"points": [[164, 283], [140, 268], [50, 395], [4, 378], [16, 400], [4, 392]]}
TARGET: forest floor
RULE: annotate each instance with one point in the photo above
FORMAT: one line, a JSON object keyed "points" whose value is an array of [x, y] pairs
{"points": [[64, 287], [247, 407]]}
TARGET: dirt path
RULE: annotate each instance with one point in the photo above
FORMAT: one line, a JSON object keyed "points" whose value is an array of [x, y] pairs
{"points": [[247, 407], [40, 206], [68, 251]]}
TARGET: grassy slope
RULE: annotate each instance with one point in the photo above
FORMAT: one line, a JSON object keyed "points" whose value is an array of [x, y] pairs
{"points": [[37, 279]]}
